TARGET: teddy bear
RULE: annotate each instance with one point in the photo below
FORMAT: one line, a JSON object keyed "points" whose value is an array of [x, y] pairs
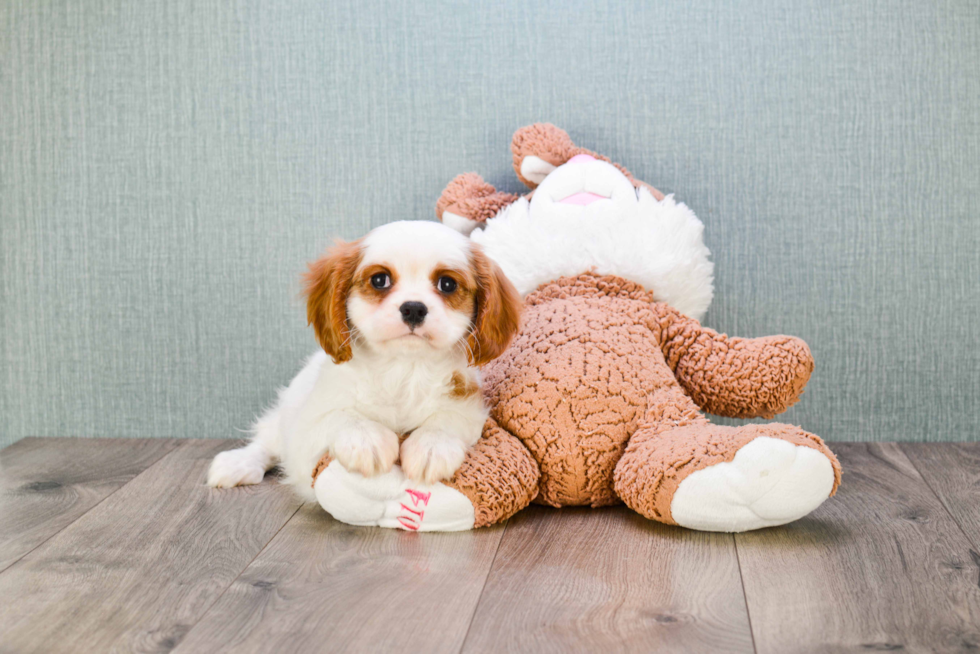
{"points": [[600, 399]]}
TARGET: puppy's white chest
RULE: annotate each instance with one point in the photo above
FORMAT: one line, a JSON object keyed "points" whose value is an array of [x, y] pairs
{"points": [[402, 395]]}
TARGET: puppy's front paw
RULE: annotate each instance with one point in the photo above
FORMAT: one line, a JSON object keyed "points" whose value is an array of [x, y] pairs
{"points": [[369, 449], [429, 456], [235, 468]]}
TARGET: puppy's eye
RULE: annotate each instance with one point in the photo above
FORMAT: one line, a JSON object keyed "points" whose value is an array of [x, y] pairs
{"points": [[380, 281], [446, 284]]}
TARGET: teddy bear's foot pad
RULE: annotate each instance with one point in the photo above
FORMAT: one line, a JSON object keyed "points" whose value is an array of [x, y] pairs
{"points": [[769, 482], [391, 500]]}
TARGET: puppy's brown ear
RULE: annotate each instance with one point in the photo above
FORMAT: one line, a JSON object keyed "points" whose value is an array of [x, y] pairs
{"points": [[328, 283], [498, 310]]}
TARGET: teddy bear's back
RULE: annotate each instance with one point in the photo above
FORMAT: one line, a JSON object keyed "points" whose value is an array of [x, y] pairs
{"points": [[585, 372]]}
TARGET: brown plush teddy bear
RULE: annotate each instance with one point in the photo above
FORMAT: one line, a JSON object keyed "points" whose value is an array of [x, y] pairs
{"points": [[599, 399]]}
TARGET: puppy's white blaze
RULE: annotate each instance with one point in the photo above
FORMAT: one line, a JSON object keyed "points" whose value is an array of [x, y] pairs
{"points": [[415, 245]]}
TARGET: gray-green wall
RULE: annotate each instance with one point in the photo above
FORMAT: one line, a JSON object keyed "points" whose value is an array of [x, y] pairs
{"points": [[166, 168]]}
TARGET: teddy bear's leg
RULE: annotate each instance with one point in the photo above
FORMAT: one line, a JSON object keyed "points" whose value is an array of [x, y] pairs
{"points": [[467, 202], [540, 148], [498, 478], [717, 478]]}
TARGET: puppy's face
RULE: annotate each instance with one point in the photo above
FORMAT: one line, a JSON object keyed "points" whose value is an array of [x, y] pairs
{"points": [[411, 287]]}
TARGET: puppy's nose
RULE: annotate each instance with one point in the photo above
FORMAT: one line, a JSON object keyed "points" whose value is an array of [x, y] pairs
{"points": [[413, 313]]}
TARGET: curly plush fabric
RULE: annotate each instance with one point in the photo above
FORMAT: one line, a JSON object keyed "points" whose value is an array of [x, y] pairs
{"points": [[498, 476], [598, 361], [657, 461], [554, 145], [468, 195], [599, 399], [577, 382]]}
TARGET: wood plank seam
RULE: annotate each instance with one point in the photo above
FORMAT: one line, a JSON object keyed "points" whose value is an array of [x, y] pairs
{"points": [[878, 567], [204, 613], [66, 525], [579, 579], [476, 608], [745, 598], [190, 503], [242, 571], [974, 553], [383, 580]]}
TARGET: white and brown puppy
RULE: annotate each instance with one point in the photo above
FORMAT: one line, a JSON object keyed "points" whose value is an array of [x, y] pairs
{"points": [[404, 316]]}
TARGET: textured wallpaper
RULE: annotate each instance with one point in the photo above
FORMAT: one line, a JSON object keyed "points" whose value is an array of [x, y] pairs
{"points": [[166, 168]]}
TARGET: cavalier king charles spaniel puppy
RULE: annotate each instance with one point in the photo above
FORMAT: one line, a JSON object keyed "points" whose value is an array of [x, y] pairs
{"points": [[404, 316]]}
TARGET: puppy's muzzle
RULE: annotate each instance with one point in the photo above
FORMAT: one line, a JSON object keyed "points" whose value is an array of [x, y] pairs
{"points": [[413, 313]]}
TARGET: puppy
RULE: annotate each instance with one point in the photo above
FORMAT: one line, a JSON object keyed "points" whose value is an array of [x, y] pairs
{"points": [[404, 316]]}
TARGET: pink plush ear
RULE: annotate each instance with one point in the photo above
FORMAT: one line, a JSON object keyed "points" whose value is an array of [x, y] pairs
{"points": [[498, 310], [328, 284]]}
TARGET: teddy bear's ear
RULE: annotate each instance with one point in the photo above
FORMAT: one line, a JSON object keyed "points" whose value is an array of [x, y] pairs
{"points": [[538, 149]]}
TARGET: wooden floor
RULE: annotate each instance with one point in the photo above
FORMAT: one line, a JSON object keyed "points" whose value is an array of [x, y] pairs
{"points": [[118, 545]]}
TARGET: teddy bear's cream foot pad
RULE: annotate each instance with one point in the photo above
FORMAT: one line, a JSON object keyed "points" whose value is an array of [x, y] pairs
{"points": [[391, 500], [769, 482], [460, 223]]}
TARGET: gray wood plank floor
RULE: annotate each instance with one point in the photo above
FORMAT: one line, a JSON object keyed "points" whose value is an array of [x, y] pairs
{"points": [[882, 567], [609, 580], [117, 545], [46, 484]]}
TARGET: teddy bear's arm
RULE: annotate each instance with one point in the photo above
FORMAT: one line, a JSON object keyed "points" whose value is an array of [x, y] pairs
{"points": [[469, 198], [731, 376]]}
